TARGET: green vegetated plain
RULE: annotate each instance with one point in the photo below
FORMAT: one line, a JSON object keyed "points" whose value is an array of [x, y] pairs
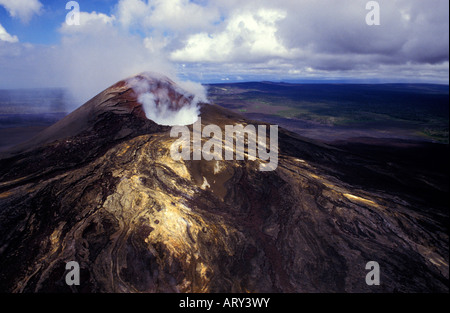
{"points": [[420, 109]]}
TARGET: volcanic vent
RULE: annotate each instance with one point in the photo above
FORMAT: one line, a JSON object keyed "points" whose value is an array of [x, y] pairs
{"points": [[100, 188]]}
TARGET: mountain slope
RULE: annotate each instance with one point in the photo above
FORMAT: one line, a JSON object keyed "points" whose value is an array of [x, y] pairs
{"points": [[100, 188]]}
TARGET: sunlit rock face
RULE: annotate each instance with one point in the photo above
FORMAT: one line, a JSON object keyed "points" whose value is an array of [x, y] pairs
{"points": [[100, 188]]}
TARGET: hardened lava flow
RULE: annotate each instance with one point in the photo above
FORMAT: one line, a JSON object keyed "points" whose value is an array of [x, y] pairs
{"points": [[100, 187]]}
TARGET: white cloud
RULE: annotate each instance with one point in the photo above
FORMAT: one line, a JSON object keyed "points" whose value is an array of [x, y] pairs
{"points": [[253, 39], [178, 16], [156, 44], [248, 36], [132, 12], [4, 36], [24, 9], [89, 23], [326, 38], [96, 54], [90, 57]]}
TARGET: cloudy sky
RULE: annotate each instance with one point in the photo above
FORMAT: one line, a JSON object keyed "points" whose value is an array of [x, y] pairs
{"points": [[221, 40]]}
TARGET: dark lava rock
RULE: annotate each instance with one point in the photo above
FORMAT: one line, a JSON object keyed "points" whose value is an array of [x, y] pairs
{"points": [[100, 188]]}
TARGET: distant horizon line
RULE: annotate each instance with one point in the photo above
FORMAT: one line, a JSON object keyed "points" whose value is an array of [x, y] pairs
{"points": [[323, 81], [291, 82]]}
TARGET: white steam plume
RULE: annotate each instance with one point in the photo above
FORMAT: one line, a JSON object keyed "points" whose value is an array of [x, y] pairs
{"points": [[168, 102], [160, 113]]}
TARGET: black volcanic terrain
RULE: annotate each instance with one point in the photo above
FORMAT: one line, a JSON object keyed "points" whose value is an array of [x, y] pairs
{"points": [[100, 187]]}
